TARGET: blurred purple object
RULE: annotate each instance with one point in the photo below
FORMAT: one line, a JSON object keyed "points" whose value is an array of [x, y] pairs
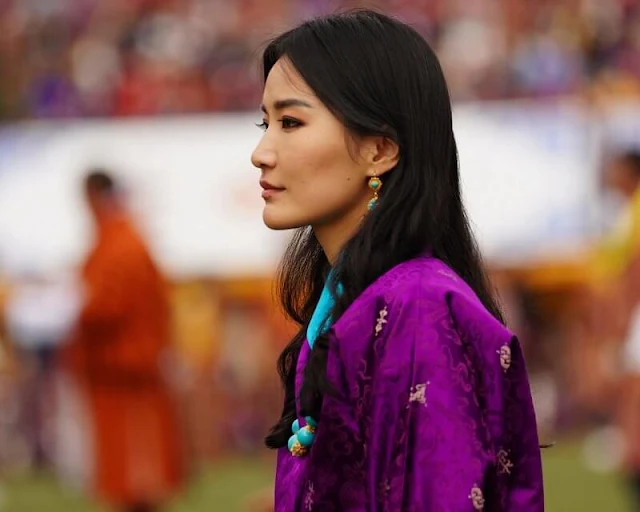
{"points": [[53, 97]]}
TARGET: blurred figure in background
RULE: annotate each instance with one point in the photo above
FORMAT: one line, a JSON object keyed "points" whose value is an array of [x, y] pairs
{"points": [[623, 176], [619, 249], [603, 311], [604, 366], [39, 312], [114, 355]]}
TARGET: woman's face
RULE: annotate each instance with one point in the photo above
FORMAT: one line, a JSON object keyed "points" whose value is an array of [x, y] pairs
{"points": [[311, 173]]}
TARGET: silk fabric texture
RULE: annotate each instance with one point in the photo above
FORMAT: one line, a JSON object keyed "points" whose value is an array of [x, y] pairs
{"points": [[433, 410]]}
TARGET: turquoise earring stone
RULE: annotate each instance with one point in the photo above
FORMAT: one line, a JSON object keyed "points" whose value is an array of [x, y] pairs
{"points": [[374, 184]]}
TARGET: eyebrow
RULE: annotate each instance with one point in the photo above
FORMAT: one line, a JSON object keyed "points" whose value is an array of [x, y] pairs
{"points": [[289, 102]]}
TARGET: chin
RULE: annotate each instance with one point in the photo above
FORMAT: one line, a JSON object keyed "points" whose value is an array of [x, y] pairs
{"points": [[280, 222]]}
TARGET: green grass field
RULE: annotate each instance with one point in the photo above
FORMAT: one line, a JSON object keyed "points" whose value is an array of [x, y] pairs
{"points": [[569, 487]]}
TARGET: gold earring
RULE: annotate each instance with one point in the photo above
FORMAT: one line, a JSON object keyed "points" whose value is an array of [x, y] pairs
{"points": [[375, 184]]}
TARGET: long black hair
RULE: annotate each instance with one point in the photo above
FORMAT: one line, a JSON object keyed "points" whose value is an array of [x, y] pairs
{"points": [[379, 77]]}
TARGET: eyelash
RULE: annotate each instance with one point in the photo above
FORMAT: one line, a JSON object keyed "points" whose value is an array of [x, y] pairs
{"points": [[288, 123]]}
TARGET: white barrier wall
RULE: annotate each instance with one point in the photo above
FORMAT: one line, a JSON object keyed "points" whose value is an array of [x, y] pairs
{"points": [[528, 171], [190, 182]]}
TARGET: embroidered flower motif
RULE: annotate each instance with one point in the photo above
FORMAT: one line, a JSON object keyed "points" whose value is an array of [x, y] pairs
{"points": [[505, 357], [418, 394], [308, 499], [477, 498], [447, 273], [383, 490], [504, 464], [382, 319]]}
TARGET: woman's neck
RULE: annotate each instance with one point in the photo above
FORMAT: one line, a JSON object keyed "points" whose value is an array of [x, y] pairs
{"points": [[332, 237]]}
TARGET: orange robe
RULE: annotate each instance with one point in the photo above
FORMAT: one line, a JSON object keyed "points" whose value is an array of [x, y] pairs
{"points": [[116, 351]]}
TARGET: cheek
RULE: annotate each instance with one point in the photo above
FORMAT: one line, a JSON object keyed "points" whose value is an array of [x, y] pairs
{"points": [[329, 195], [323, 169], [330, 183]]}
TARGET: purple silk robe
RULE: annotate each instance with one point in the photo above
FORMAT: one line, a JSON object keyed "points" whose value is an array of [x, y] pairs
{"points": [[433, 411]]}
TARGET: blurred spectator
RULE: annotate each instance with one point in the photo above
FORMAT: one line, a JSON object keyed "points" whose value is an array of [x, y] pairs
{"points": [[624, 175], [115, 355], [39, 313], [600, 322], [158, 57], [617, 250]]}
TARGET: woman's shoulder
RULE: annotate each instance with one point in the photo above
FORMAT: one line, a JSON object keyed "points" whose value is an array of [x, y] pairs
{"points": [[424, 287], [421, 278], [424, 279]]}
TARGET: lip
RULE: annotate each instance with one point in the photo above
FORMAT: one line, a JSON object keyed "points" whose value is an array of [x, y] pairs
{"points": [[270, 192], [269, 189]]}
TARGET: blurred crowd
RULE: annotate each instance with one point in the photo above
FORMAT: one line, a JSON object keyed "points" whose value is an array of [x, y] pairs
{"points": [[70, 58]]}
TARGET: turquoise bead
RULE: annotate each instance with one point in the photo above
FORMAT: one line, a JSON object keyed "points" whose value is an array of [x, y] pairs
{"points": [[295, 427], [310, 421], [372, 204], [292, 440], [305, 437]]}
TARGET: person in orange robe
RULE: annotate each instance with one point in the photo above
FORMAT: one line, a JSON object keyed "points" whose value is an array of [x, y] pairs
{"points": [[115, 353]]}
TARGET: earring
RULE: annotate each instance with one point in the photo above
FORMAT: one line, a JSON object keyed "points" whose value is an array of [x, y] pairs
{"points": [[375, 184]]}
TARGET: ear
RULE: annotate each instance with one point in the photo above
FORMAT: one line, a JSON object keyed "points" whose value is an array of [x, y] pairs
{"points": [[381, 155]]}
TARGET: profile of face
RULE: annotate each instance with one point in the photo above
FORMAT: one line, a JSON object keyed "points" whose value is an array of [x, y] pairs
{"points": [[621, 178], [313, 172]]}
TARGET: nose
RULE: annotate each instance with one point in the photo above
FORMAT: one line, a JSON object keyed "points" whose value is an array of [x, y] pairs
{"points": [[263, 156]]}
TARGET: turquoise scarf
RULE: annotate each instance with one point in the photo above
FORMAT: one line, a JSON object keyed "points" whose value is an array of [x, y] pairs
{"points": [[321, 319], [303, 437]]}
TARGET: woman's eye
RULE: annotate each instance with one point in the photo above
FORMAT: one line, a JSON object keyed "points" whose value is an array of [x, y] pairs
{"points": [[288, 122], [263, 125]]}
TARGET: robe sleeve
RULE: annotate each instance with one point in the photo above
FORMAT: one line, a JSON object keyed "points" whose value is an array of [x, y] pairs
{"points": [[445, 412]]}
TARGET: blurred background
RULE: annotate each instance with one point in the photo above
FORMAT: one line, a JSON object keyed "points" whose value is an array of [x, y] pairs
{"points": [[164, 94]]}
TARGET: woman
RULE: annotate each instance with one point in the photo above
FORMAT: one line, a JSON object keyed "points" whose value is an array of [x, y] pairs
{"points": [[404, 391]]}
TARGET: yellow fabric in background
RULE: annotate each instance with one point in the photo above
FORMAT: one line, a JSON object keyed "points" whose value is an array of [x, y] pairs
{"points": [[614, 254]]}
